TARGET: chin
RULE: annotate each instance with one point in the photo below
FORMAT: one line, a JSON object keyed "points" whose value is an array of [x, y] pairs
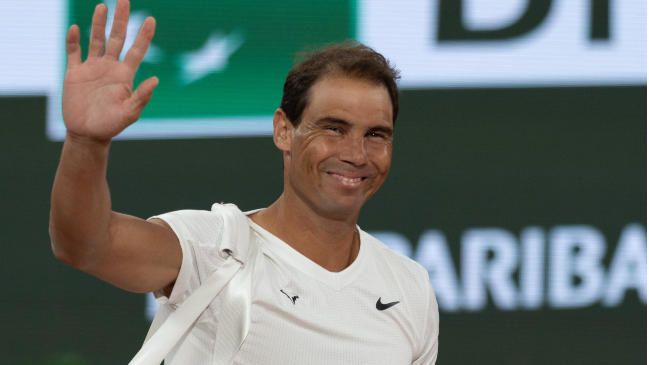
{"points": [[337, 208]]}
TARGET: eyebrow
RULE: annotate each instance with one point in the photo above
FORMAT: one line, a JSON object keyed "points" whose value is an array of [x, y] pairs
{"points": [[332, 120]]}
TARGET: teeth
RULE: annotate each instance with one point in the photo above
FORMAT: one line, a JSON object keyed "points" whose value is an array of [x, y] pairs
{"points": [[346, 179], [351, 180]]}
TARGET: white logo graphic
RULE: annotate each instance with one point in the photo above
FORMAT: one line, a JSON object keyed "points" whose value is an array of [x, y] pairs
{"points": [[212, 57]]}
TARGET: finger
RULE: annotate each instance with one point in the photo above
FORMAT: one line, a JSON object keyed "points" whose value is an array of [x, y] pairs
{"points": [[142, 96], [98, 32], [118, 33], [135, 55], [72, 47]]}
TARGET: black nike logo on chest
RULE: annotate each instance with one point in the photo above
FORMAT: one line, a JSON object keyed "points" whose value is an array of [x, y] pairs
{"points": [[380, 306]]}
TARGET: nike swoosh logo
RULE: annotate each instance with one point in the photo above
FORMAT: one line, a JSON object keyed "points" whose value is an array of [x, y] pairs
{"points": [[380, 306]]}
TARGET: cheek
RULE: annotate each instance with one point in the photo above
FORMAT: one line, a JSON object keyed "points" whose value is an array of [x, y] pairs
{"points": [[312, 151], [382, 157], [319, 149]]}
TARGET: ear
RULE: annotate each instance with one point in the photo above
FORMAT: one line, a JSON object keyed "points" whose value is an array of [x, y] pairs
{"points": [[282, 130]]}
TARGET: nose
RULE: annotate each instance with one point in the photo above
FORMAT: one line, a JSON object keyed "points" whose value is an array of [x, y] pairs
{"points": [[353, 151]]}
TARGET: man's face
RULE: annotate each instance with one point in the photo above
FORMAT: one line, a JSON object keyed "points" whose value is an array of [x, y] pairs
{"points": [[341, 151]]}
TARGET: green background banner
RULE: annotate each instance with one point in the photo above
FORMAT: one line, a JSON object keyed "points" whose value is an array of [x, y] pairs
{"points": [[224, 58]]}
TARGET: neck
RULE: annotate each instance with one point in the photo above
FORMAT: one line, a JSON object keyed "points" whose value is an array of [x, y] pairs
{"points": [[331, 243]]}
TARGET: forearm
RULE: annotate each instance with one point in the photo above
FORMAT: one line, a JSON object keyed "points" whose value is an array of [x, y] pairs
{"points": [[81, 209]]}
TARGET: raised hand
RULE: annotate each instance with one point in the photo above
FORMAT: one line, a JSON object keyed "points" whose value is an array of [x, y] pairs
{"points": [[98, 97]]}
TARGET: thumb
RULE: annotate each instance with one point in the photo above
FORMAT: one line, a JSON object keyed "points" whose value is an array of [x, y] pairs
{"points": [[142, 95]]}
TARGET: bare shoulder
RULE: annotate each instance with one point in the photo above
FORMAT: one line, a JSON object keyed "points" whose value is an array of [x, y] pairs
{"points": [[161, 223]]}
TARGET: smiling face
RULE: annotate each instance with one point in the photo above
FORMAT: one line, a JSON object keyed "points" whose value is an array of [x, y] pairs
{"points": [[340, 153]]}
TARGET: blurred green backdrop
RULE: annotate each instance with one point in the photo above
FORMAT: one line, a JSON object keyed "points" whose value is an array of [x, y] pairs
{"points": [[506, 158]]}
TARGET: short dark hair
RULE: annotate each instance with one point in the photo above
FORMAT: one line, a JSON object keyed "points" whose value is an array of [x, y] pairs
{"points": [[349, 58]]}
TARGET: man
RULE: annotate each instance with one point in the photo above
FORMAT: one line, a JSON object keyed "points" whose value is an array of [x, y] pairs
{"points": [[325, 292]]}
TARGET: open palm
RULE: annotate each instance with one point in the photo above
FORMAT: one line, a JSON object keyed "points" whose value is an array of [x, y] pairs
{"points": [[98, 97]]}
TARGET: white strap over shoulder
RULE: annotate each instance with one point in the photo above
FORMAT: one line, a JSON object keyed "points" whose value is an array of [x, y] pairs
{"points": [[179, 321], [162, 337], [236, 232]]}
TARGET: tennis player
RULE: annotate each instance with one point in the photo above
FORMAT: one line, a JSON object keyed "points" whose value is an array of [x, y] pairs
{"points": [[325, 291]]}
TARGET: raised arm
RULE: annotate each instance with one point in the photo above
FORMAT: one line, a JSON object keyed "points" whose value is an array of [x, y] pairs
{"points": [[98, 103]]}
